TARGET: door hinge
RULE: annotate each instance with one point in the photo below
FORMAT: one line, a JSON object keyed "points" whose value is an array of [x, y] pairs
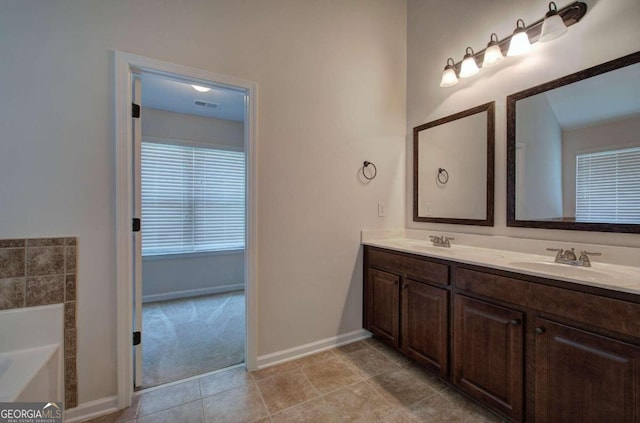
{"points": [[136, 224], [137, 338], [135, 110]]}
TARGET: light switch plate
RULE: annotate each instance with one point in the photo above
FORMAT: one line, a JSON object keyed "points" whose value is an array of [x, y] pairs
{"points": [[427, 208], [382, 209]]}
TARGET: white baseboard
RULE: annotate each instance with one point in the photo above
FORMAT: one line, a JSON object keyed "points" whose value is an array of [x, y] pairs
{"points": [[92, 409], [192, 293], [311, 348]]}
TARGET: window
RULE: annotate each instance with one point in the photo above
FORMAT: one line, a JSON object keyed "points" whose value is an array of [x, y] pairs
{"points": [[608, 186], [192, 199]]}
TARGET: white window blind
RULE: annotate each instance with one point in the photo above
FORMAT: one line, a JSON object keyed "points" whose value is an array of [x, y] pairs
{"points": [[192, 199], [608, 186]]}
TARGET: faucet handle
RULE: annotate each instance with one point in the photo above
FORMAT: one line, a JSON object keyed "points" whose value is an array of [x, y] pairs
{"points": [[434, 238], [446, 238], [584, 258], [559, 253]]}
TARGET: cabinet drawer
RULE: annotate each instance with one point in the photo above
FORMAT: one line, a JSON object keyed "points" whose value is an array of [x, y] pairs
{"points": [[419, 269], [607, 313]]}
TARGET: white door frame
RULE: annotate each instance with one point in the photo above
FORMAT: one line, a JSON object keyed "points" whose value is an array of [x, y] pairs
{"points": [[125, 63]]}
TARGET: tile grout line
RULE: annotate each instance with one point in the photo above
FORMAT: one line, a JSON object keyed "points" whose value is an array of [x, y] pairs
{"points": [[24, 301], [399, 405], [311, 383], [323, 395], [167, 409], [355, 368], [264, 403], [300, 368], [204, 417]]}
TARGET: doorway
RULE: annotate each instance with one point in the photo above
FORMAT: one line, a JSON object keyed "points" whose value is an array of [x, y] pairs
{"points": [[191, 200], [129, 66]]}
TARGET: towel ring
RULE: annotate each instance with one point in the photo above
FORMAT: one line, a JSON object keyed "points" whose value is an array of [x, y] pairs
{"points": [[443, 175], [366, 165]]}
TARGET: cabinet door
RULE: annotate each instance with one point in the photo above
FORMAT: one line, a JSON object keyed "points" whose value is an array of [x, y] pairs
{"points": [[584, 377], [488, 354], [384, 305], [424, 324]]}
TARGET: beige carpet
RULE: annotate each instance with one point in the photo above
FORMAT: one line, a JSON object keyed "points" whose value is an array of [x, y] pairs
{"points": [[191, 336]]}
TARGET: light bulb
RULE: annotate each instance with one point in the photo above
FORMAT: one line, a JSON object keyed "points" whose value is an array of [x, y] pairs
{"points": [[519, 40], [201, 88], [553, 25], [493, 53], [449, 77], [469, 65]]}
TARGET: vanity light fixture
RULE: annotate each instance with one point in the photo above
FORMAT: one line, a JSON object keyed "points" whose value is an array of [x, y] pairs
{"points": [[449, 76], [493, 53], [554, 24], [201, 89], [519, 40], [469, 65]]}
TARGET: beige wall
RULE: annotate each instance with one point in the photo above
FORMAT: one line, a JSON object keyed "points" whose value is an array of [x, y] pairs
{"points": [[540, 139], [164, 124], [182, 275], [331, 79], [459, 147], [440, 29]]}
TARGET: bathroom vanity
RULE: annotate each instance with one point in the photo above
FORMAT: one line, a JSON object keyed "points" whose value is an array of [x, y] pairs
{"points": [[528, 338]]}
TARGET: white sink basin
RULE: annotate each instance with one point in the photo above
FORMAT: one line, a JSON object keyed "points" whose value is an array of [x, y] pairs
{"points": [[600, 272], [560, 269]]}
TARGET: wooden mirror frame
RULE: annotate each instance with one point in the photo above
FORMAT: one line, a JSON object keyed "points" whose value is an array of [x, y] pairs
{"points": [[511, 150], [488, 221]]}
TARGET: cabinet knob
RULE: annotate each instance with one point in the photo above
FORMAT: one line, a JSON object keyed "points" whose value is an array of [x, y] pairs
{"points": [[395, 282], [405, 286], [540, 330], [516, 322]]}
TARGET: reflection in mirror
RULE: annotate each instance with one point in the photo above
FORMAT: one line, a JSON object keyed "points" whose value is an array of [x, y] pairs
{"points": [[574, 151], [453, 168]]}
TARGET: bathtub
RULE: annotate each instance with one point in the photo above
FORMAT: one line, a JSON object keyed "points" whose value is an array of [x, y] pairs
{"points": [[31, 354]]}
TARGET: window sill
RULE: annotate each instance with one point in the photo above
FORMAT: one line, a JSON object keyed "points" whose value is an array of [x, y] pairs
{"points": [[174, 256]]}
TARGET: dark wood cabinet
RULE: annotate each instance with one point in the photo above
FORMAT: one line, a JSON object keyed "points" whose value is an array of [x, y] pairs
{"points": [[411, 315], [488, 345], [529, 348], [584, 377], [425, 325], [383, 299]]}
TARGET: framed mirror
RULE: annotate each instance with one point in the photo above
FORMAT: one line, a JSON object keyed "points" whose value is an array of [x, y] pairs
{"points": [[453, 168], [573, 151]]}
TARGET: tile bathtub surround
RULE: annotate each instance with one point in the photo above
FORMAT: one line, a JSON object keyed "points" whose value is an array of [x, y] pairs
{"points": [[42, 271], [332, 386]]}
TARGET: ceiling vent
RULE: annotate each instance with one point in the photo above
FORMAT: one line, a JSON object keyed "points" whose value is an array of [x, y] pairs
{"points": [[201, 103]]}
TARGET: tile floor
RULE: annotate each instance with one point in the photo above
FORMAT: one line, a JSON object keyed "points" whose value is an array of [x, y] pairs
{"points": [[365, 381]]}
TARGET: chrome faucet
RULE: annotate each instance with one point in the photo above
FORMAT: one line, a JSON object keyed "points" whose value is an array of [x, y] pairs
{"points": [[584, 258], [441, 241], [569, 257]]}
